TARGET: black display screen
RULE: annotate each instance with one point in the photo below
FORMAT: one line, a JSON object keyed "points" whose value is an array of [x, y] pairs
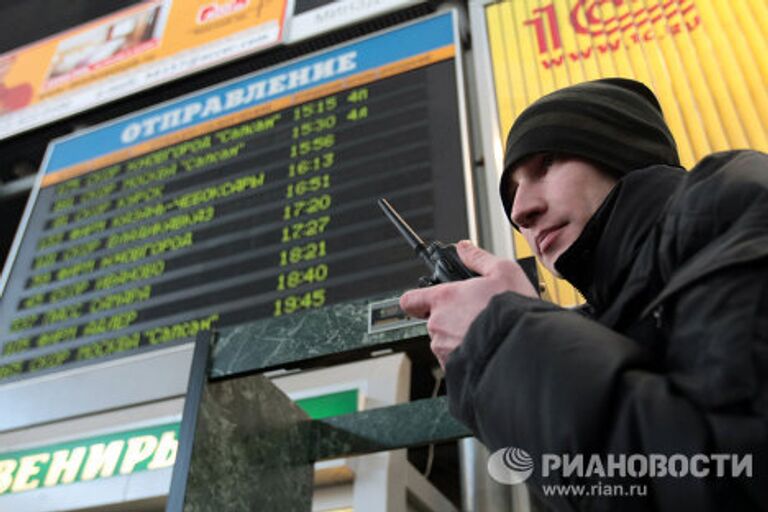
{"points": [[268, 217]]}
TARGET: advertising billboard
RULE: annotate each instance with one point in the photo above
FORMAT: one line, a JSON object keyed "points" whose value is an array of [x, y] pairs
{"points": [[706, 60], [130, 50]]}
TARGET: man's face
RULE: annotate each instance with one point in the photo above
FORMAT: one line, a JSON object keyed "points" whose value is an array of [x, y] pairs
{"points": [[554, 197]]}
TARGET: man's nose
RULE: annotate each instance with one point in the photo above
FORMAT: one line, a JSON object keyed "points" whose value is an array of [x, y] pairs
{"points": [[527, 207]]}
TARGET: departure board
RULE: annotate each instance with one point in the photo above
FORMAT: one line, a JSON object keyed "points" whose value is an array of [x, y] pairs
{"points": [[251, 200]]}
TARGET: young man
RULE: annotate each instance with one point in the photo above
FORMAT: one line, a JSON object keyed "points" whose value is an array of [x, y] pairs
{"points": [[670, 356]]}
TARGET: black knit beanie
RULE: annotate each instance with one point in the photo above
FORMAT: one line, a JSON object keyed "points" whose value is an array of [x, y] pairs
{"points": [[614, 122]]}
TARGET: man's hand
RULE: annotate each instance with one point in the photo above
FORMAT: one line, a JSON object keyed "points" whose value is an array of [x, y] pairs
{"points": [[452, 307]]}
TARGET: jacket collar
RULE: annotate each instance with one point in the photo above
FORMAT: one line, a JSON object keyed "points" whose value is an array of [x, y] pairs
{"points": [[599, 261]]}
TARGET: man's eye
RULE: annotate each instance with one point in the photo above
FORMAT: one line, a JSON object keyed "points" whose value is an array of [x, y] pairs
{"points": [[547, 161]]}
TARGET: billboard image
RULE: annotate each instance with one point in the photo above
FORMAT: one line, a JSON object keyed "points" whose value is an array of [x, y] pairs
{"points": [[133, 49], [104, 45]]}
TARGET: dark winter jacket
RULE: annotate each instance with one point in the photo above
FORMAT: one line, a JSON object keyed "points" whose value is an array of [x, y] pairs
{"points": [[672, 356]]}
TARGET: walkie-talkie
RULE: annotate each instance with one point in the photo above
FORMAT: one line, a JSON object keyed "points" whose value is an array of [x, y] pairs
{"points": [[443, 260]]}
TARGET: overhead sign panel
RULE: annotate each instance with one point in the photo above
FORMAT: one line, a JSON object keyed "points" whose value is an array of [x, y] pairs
{"points": [[255, 199], [85, 460], [313, 17], [133, 49]]}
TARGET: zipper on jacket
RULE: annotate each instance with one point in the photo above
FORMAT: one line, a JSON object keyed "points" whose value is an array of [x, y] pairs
{"points": [[658, 315]]}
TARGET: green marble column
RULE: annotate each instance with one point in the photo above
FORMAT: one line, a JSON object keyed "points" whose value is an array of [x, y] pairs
{"points": [[243, 445], [250, 450]]}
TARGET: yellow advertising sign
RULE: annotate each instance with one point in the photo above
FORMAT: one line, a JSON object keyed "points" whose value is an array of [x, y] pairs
{"points": [[706, 60], [138, 47]]}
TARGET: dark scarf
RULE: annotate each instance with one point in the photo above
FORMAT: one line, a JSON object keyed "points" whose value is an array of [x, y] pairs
{"points": [[599, 262]]}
